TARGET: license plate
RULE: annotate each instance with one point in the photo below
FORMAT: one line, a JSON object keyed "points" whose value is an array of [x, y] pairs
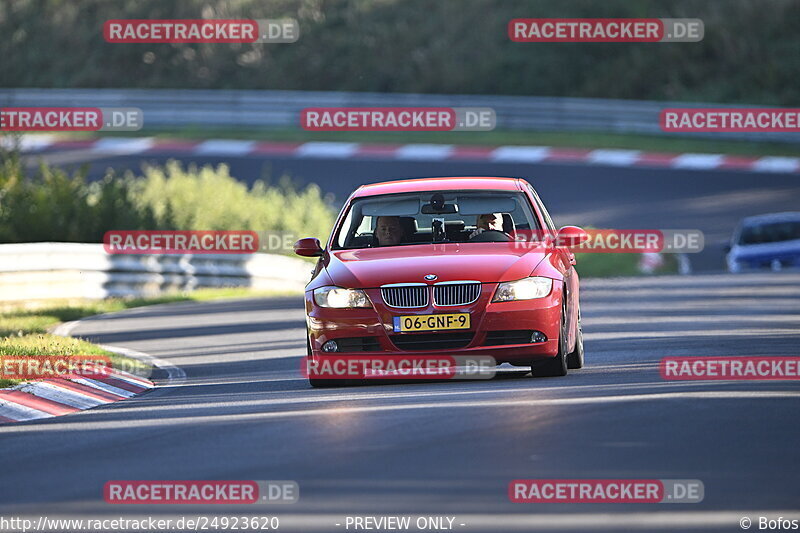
{"points": [[431, 322]]}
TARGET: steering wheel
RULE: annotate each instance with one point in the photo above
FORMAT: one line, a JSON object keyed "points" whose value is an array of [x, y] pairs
{"points": [[491, 235]]}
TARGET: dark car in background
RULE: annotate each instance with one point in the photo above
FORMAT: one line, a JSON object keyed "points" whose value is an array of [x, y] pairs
{"points": [[769, 241]]}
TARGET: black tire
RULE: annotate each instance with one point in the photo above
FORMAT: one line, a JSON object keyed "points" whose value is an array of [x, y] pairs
{"points": [[320, 383], [557, 366], [575, 358]]}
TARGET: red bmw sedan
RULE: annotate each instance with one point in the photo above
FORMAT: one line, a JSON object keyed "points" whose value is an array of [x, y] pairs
{"points": [[432, 266]]}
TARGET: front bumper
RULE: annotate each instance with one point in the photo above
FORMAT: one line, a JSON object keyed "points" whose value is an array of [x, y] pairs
{"points": [[377, 325]]}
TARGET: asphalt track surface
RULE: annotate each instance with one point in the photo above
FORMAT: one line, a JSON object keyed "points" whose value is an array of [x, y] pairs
{"points": [[440, 448], [712, 201]]}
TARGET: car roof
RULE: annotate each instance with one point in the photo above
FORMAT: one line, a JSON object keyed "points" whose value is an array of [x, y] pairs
{"points": [[771, 217], [438, 184]]}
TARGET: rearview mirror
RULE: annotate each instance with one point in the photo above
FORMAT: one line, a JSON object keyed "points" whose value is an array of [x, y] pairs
{"points": [[571, 236], [445, 209], [308, 247]]}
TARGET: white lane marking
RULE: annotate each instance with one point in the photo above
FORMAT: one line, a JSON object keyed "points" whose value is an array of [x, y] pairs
{"points": [[460, 395], [424, 152], [123, 146], [622, 158], [64, 329], [327, 149], [300, 412], [523, 154], [777, 164], [697, 161], [224, 147]]}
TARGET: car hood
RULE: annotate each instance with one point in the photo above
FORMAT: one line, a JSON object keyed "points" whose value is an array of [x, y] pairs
{"points": [[484, 262]]}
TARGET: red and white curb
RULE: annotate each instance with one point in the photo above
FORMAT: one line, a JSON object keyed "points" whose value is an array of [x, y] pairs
{"points": [[413, 152], [54, 397]]}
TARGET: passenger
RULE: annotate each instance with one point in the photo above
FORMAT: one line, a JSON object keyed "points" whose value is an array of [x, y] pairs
{"points": [[388, 231], [488, 221]]}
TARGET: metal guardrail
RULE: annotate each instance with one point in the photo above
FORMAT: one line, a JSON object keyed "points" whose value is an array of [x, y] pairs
{"points": [[47, 270], [170, 108]]}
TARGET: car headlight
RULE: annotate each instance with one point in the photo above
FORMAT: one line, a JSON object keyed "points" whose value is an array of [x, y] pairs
{"points": [[523, 289], [340, 298]]}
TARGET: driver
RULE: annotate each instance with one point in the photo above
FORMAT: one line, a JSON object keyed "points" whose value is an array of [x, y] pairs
{"points": [[388, 231], [488, 221]]}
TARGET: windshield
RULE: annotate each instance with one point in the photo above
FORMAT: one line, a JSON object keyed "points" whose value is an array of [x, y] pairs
{"points": [[434, 217], [771, 232]]}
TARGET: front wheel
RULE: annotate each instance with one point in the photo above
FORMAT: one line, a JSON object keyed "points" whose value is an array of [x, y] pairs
{"points": [[557, 366], [575, 358]]}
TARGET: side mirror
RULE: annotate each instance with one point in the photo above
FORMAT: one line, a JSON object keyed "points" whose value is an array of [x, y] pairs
{"points": [[571, 236], [308, 247]]}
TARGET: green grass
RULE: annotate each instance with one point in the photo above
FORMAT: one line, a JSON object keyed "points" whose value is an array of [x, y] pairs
{"points": [[652, 143], [45, 344], [17, 324], [24, 330]]}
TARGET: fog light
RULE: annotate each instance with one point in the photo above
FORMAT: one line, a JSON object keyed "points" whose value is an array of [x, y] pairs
{"points": [[330, 346], [538, 336]]}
